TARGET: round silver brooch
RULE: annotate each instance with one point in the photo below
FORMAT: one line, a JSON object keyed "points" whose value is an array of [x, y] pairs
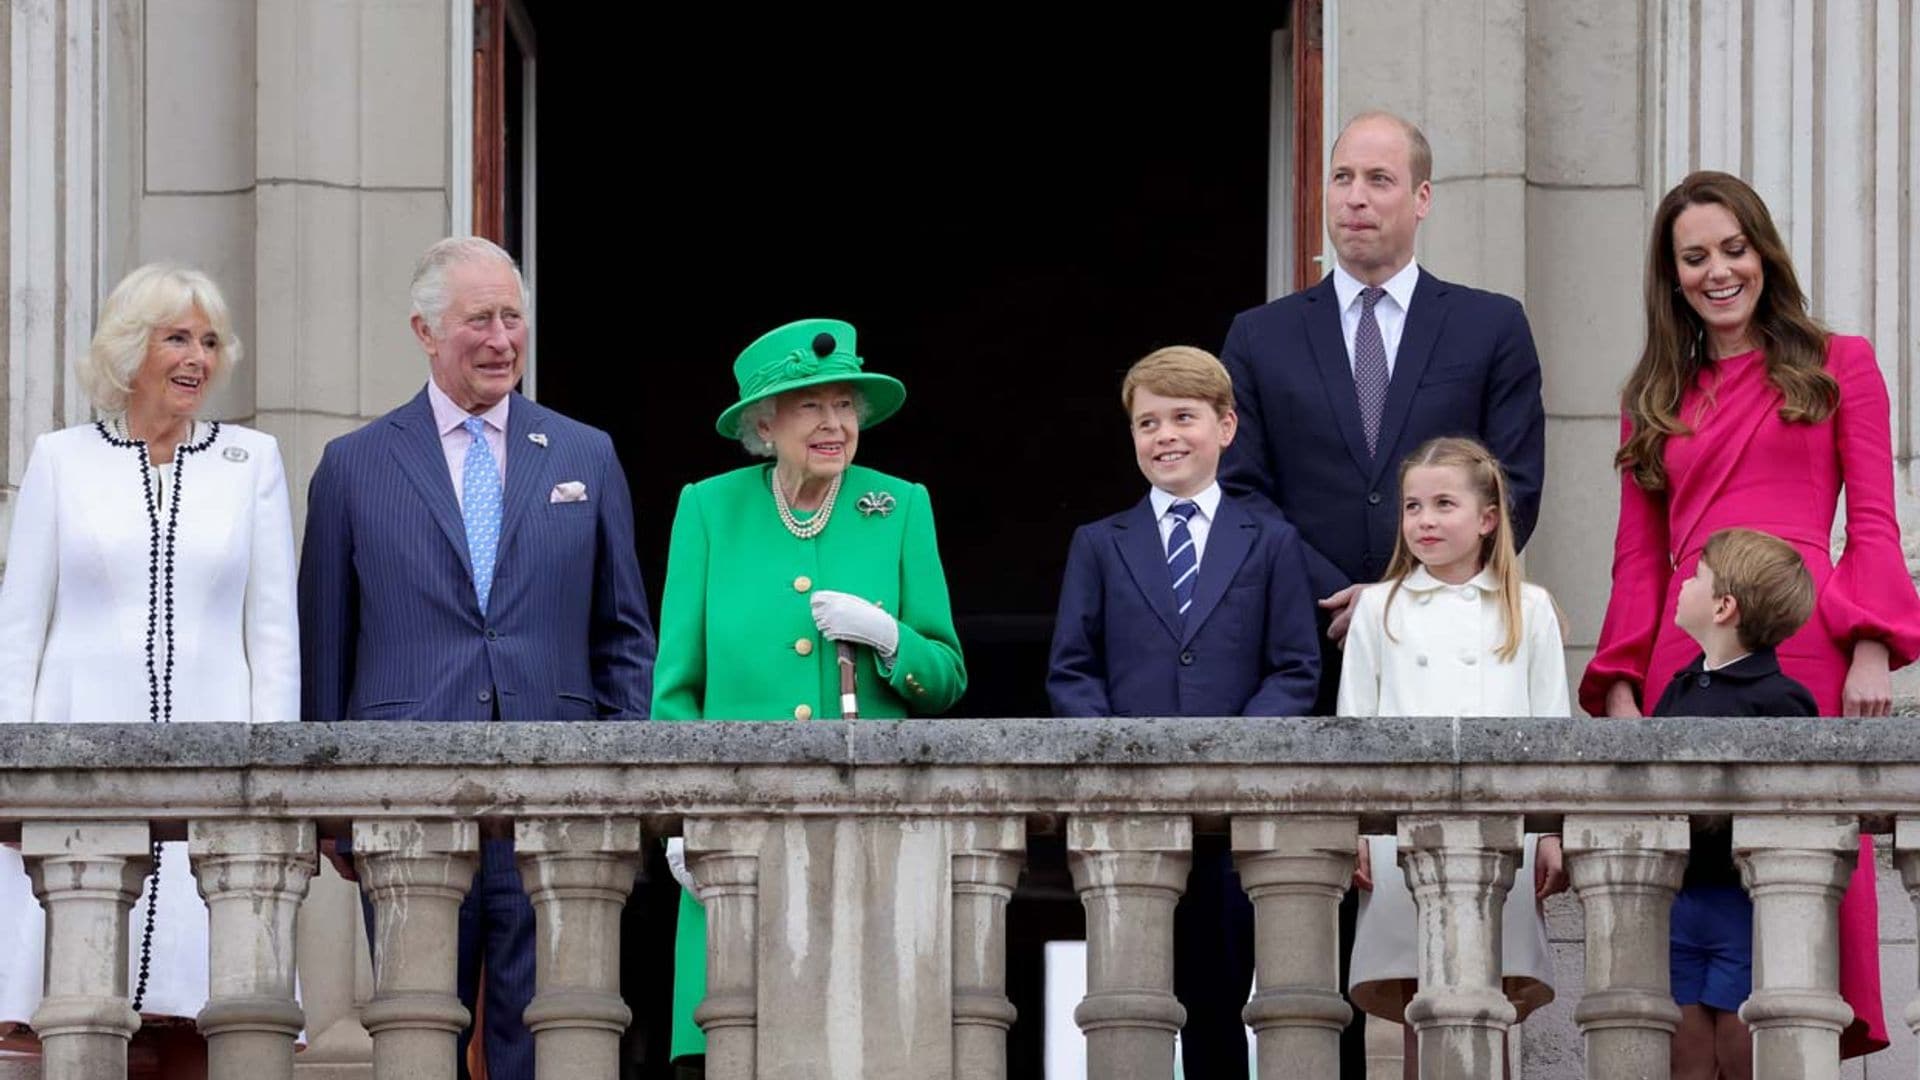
{"points": [[234, 453]]}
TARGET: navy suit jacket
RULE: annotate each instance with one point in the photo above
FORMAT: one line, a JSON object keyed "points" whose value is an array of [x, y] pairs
{"points": [[1466, 366], [390, 628], [1246, 648]]}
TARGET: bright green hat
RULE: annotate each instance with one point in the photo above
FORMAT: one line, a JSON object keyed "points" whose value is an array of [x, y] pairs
{"points": [[811, 352]]}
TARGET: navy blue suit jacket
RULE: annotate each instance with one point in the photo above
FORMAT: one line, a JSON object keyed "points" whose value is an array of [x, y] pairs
{"points": [[390, 628], [1466, 366], [1246, 648]]}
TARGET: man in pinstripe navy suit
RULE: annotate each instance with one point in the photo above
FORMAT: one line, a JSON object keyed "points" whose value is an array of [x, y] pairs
{"points": [[469, 556]]}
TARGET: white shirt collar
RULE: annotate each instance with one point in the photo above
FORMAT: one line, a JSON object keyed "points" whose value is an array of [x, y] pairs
{"points": [[1399, 287], [1421, 581], [447, 416], [1208, 501]]}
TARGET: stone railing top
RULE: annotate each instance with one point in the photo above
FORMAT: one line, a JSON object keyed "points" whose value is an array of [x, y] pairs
{"points": [[1374, 767], [984, 743]]}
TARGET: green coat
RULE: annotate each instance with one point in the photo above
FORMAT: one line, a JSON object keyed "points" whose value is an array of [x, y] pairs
{"points": [[737, 639]]}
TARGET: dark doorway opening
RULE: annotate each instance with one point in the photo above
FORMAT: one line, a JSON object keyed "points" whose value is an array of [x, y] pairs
{"points": [[1010, 210]]}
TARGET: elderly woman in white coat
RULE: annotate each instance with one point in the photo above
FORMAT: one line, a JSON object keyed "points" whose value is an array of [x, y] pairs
{"points": [[149, 578]]}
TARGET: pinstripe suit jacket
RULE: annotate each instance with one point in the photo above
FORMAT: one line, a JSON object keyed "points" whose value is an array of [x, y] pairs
{"points": [[390, 626]]}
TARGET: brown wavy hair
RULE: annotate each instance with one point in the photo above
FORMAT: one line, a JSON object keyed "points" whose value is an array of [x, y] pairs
{"points": [[1794, 343], [1497, 549]]}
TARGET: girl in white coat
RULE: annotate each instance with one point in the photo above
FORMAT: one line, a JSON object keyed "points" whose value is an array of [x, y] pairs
{"points": [[1453, 631], [149, 578]]}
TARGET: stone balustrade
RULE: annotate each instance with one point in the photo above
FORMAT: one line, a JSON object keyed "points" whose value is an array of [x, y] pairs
{"points": [[856, 876]]}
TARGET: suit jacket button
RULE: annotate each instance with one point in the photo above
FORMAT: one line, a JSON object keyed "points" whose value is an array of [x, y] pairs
{"points": [[802, 583], [1186, 658], [485, 696], [492, 635], [804, 646], [1373, 498], [803, 712], [1705, 680]]}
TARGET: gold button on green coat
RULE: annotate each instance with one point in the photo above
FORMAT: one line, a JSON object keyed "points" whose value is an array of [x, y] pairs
{"points": [[734, 591]]}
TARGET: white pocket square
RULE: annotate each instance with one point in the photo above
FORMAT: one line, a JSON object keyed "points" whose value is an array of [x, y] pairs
{"points": [[571, 491]]}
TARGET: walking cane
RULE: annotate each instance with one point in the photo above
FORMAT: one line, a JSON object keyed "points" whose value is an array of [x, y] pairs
{"points": [[849, 700]]}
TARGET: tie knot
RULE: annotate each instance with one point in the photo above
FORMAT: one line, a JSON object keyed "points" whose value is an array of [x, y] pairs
{"points": [[475, 426], [1184, 510], [1370, 296]]}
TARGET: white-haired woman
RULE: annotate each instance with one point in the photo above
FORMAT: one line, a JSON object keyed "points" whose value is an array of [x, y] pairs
{"points": [[149, 578]]}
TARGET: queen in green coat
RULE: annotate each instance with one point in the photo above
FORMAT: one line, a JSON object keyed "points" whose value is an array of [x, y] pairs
{"points": [[773, 565]]}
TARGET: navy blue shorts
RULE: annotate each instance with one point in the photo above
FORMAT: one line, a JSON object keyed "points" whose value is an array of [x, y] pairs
{"points": [[1711, 962]]}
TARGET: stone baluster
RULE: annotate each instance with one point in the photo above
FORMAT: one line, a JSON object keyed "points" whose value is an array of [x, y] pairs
{"points": [[987, 853], [1626, 870], [1295, 869], [87, 875], [416, 872], [1130, 870], [1795, 867], [724, 857], [1906, 856], [577, 872], [1459, 868], [254, 874]]}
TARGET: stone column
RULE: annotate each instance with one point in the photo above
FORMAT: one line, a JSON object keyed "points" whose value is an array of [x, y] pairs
{"points": [[1906, 855], [87, 875], [1796, 867], [1459, 868], [1295, 870], [1626, 870], [1130, 870], [416, 872], [724, 856], [577, 872], [253, 873], [987, 853]]}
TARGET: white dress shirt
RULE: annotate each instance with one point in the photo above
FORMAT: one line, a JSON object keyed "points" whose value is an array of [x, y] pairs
{"points": [[449, 420], [1390, 312], [1197, 527]]}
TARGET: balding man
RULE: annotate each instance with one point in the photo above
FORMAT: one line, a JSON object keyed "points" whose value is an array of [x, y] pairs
{"points": [[1336, 384]]}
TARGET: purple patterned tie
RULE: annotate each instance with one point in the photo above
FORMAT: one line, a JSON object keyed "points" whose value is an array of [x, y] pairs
{"points": [[1370, 367]]}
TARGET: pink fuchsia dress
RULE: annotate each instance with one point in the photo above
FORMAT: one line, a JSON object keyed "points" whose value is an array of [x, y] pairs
{"points": [[1744, 466]]}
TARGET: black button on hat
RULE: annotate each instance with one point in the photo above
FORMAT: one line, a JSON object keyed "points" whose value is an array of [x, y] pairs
{"points": [[823, 345]]}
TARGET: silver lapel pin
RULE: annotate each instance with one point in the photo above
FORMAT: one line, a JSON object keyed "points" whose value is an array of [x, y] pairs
{"points": [[537, 438]]}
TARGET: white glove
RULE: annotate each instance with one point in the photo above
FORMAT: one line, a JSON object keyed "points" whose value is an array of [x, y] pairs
{"points": [[677, 864], [845, 617]]}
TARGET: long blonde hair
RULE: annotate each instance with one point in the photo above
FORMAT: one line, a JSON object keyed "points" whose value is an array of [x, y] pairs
{"points": [[1497, 549], [1676, 351]]}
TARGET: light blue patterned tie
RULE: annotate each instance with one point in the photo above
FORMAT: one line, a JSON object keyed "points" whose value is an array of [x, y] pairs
{"points": [[1183, 559], [480, 505]]}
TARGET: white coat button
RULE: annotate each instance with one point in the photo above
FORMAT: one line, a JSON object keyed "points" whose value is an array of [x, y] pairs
{"points": [[1426, 598], [1421, 659], [1468, 592], [1469, 659]]}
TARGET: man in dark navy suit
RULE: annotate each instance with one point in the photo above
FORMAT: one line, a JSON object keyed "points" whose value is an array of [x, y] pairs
{"points": [[1336, 384], [469, 556]]}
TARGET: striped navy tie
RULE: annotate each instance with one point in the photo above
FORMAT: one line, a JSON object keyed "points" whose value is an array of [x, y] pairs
{"points": [[1183, 559]]}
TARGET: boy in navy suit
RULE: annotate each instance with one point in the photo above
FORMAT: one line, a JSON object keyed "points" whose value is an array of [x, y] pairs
{"points": [[1749, 592], [1188, 604]]}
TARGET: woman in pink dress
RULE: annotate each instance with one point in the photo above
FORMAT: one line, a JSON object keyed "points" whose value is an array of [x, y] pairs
{"points": [[1744, 411]]}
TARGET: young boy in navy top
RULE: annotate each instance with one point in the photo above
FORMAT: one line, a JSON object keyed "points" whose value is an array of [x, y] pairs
{"points": [[1749, 593], [1188, 604]]}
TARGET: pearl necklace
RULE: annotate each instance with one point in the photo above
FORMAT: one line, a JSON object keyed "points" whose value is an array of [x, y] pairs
{"points": [[810, 528]]}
